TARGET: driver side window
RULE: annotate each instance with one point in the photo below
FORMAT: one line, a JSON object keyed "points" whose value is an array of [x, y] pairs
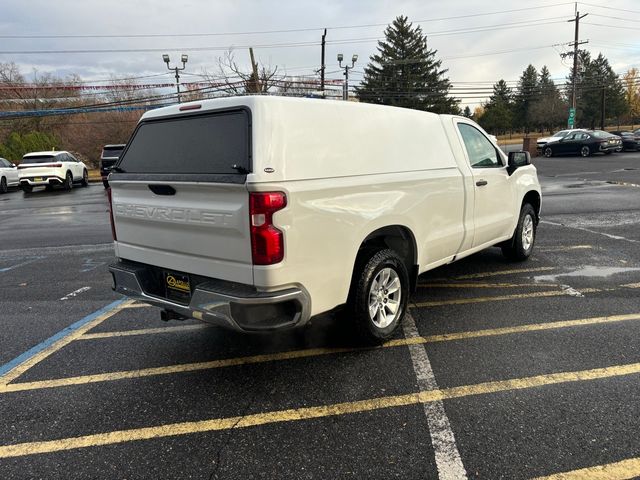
{"points": [[482, 153]]}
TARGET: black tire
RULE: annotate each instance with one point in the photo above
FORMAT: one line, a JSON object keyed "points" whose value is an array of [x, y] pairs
{"points": [[105, 183], [548, 152], [516, 248], [68, 181], [609, 152], [585, 151], [49, 188], [85, 178], [3, 185], [368, 269], [26, 188]]}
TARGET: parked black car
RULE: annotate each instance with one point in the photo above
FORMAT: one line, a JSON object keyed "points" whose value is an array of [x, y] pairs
{"points": [[583, 143], [109, 157], [630, 140]]}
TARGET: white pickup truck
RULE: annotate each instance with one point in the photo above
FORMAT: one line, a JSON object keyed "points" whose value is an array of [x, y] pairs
{"points": [[258, 213]]}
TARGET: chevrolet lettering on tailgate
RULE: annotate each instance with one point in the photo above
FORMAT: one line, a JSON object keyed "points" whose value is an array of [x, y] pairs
{"points": [[176, 215]]}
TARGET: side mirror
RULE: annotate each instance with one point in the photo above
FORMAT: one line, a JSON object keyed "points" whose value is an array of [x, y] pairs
{"points": [[518, 159]]}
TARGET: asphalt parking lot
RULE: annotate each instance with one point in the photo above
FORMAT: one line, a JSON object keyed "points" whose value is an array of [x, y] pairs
{"points": [[503, 370]]}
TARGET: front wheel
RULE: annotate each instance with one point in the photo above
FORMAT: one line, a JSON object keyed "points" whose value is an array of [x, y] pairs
{"points": [[520, 246], [85, 178], [68, 181], [585, 151], [548, 152], [3, 185], [379, 295]]}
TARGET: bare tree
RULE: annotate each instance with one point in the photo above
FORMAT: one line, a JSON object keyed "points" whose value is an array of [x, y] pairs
{"points": [[237, 81]]}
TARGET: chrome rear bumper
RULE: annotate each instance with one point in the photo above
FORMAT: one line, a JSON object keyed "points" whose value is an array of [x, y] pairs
{"points": [[239, 307]]}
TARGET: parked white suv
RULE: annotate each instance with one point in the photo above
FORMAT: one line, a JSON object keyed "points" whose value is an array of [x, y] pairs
{"points": [[51, 169], [258, 213], [8, 175]]}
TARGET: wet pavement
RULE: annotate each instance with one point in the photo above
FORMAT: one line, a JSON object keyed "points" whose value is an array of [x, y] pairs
{"points": [[502, 370]]}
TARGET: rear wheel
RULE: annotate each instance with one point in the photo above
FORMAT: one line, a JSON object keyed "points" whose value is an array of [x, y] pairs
{"points": [[585, 151], [520, 246], [609, 152], [85, 178], [26, 188], [548, 152], [105, 183], [379, 294], [3, 185], [68, 181]]}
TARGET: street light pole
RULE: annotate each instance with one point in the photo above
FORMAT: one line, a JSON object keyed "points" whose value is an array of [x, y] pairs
{"points": [[184, 58], [345, 87]]}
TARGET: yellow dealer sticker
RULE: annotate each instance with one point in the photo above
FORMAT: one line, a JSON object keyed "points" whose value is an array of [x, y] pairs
{"points": [[181, 284]]}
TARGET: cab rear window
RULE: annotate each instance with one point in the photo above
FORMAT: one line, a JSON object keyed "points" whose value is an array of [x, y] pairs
{"points": [[216, 143]]}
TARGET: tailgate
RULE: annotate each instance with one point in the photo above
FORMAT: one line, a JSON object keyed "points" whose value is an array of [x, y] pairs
{"points": [[202, 229], [179, 195]]}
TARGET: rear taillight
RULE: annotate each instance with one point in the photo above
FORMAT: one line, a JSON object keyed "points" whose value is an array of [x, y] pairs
{"points": [[113, 225], [47, 165], [267, 242]]}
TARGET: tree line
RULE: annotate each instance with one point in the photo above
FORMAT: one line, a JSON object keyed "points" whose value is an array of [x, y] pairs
{"points": [[404, 72]]}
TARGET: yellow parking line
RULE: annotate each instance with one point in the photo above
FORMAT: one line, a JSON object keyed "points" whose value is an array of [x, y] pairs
{"points": [[138, 305], [307, 413], [485, 285], [142, 331], [182, 368], [532, 327], [295, 354], [503, 272], [23, 367], [517, 296], [564, 249], [624, 470]]}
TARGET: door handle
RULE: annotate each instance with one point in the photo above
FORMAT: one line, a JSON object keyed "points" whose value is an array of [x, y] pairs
{"points": [[162, 189], [481, 183]]}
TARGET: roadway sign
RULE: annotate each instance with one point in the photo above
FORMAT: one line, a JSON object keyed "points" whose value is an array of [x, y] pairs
{"points": [[572, 117]]}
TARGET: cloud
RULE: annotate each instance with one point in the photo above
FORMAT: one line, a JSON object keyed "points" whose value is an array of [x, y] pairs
{"points": [[94, 17]]}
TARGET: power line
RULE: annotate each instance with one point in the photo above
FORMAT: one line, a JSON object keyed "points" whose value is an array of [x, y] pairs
{"points": [[478, 29], [616, 18], [263, 32], [610, 8], [609, 26]]}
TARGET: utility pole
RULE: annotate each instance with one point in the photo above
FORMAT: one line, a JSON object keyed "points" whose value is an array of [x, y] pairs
{"points": [[184, 58], [345, 87], [322, 66], [574, 86], [602, 105], [254, 68]]}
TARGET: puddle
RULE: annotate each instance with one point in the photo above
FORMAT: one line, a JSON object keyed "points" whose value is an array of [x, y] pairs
{"points": [[586, 271]]}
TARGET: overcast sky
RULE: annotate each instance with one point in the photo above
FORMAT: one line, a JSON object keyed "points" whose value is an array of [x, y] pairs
{"points": [[470, 57]]}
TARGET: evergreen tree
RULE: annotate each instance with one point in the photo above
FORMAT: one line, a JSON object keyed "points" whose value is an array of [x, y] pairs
{"points": [[498, 111], [548, 110], [527, 93], [594, 76], [405, 73]]}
